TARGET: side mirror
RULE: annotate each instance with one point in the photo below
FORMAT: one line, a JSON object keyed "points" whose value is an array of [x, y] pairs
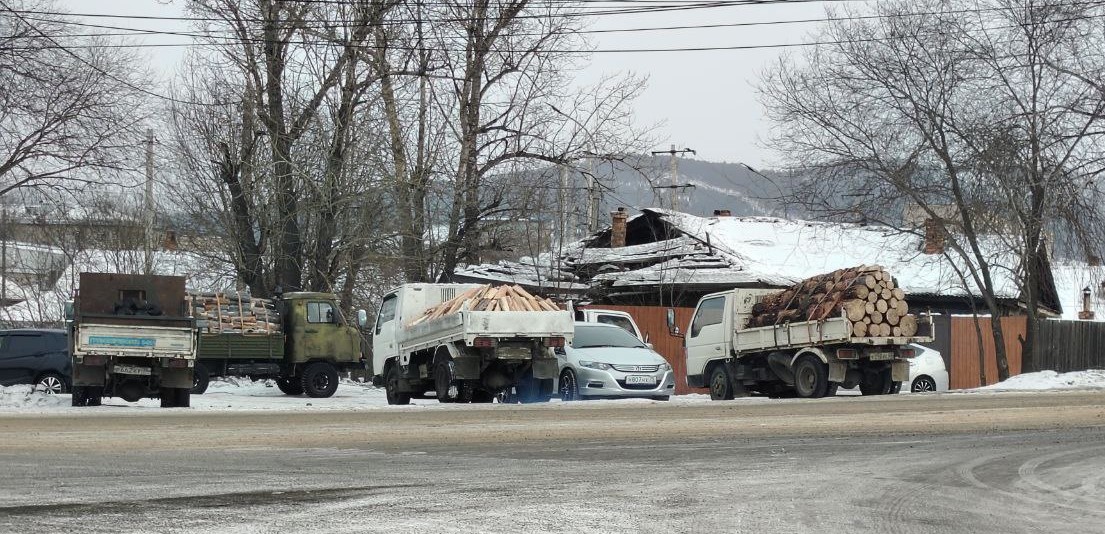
{"points": [[672, 329], [650, 347], [362, 318]]}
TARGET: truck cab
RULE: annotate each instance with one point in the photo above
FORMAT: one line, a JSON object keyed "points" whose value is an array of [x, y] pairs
{"points": [[614, 317], [317, 330]]}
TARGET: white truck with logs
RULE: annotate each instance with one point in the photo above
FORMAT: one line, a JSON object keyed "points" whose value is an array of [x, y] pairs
{"points": [[843, 329], [467, 343]]}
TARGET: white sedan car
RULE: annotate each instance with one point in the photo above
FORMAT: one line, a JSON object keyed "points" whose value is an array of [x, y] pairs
{"points": [[926, 372], [606, 361]]}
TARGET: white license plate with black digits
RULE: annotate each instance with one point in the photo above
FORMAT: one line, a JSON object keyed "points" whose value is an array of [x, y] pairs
{"points": [[640, 379], [131, 370], [881, 356]]}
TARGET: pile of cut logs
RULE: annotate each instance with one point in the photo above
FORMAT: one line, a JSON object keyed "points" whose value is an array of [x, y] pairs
{"points": [[866, 295], [234, 313], [488, 298]]}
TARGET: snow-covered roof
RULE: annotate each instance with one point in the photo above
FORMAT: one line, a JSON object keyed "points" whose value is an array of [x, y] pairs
{"points": [[541, 272], [797, 249]]}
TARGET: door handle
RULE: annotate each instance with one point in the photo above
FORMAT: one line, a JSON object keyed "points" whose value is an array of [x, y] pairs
{"points": [[717, 349]]}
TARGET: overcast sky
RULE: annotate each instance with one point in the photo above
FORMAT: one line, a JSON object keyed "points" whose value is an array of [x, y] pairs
{"points": [[706, 100]]}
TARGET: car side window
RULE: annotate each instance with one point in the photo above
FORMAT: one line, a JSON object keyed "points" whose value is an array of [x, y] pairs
{"points": [[57, 343], [709, 312], [387, 311], [320, 312]]}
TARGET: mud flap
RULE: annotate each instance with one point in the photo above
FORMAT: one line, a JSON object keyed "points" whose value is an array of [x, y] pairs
{"points": [[837, 371], [899, 370], [466, 367], [545, 368], [176, 377], [89, 375]]}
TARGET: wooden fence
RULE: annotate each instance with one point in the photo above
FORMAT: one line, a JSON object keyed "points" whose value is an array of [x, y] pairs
{"points": [[963, 361], [1066, 346]]}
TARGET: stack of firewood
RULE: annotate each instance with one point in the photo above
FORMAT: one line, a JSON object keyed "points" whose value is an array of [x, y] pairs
{"points": [[488, 298], [866, 295], [234, 313]]}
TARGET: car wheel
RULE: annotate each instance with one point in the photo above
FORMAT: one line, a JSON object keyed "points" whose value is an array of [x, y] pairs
{"points": [[391, 387], [200, 379], [319, 380], [923, 384], [721, 388], [52, 384], [811, 377], [569, 389]]}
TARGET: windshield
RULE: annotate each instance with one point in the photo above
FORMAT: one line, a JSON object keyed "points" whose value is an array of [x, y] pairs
{"points": [[604, 336]]}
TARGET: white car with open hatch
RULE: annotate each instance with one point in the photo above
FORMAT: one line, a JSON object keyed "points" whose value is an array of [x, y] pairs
{"points": [[604, 360]]}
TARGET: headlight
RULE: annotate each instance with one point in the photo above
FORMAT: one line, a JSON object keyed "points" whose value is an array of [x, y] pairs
{"points": [[595, 365], [663, 367]]}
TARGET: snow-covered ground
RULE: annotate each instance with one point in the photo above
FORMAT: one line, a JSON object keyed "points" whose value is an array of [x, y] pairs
{"points": [[262, 395]]}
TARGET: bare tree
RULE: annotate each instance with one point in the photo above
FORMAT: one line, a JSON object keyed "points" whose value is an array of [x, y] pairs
{"points": [[71, 109], [964, 112]]}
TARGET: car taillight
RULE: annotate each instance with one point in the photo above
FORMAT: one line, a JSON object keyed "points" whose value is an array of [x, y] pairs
{"points": [[483, 342], [907, 353], [177, 362], [554, 342]]}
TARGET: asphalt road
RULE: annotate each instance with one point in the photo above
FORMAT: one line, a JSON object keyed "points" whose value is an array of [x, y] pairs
{"points": [[941, 463]]}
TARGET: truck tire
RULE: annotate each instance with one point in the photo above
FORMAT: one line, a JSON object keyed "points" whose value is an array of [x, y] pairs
{"points": [[289, 386], [876, 382], [569, 387], [391, 387], [200, 379], [445, 383], [93, 395], [721, 387], [811, 377], [319, 380], [79, 396], [183, 397], [168, 397]]}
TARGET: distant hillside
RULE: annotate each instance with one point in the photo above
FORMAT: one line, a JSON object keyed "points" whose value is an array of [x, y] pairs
{"points": [[715, 186]]}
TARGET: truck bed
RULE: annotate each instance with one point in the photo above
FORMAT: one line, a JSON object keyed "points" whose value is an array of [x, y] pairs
{"points": [[238, 346], [467, 325], [834, 331]]}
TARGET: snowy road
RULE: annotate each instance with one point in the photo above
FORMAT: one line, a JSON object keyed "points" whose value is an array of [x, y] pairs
{"points": [[977, 462]]}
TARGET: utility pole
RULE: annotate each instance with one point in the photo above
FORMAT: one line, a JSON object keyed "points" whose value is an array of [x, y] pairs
{"points": [[147, 233], [593, 197], [674, 174], [4, 257]]}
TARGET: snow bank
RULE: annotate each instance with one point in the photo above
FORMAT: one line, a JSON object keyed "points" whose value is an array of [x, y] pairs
{"points": [[25, 397], [1051, 380]]}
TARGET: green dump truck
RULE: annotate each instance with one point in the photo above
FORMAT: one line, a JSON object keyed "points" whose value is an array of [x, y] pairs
{"points": [[301, 340]]}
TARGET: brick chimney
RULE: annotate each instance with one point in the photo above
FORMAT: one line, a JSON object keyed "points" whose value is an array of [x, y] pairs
{"points": [[723, 213], [934, 238], [617, 228]]}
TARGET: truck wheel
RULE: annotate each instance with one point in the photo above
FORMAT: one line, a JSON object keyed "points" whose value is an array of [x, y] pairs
{"points": [[79, 396], [445, 384], [200, 379], [876, 383], [289, 386], [721, 388], [833, 387], [391, 386], [183, 397], [93, 395], [319, 380], [811, 377], [569, 388], [168, 397]]}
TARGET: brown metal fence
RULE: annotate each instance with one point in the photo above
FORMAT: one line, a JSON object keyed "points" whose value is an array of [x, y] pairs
{"points": [[653, 322], [963, 371]]}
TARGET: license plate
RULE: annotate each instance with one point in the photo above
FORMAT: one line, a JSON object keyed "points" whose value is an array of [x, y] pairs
{"points": [[131, 370], [881, 356], [640, 379]]}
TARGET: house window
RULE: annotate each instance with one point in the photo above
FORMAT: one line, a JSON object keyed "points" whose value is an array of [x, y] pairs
{"points": [[320, 312]]}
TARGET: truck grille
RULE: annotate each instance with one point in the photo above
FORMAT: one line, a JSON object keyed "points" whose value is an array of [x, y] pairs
{"points": [[636, 368]]}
